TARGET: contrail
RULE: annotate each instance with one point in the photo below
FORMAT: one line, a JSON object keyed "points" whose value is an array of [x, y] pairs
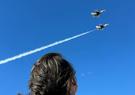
{"points": [[44, 47]]}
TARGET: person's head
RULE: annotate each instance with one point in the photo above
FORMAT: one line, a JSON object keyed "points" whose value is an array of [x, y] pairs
{"points": [[52, 75]]}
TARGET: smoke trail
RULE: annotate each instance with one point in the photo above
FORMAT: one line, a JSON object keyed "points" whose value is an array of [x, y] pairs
{"points": [[43, 47]]}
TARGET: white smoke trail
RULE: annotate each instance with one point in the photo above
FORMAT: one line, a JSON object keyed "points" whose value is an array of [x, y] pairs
{"points": [[43, 47]]}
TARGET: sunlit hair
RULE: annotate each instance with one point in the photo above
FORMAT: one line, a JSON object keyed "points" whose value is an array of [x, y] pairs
{"points": [[52, 75]]}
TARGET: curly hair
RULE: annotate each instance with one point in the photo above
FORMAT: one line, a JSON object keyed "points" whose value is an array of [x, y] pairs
{"points": [[52, 75]]}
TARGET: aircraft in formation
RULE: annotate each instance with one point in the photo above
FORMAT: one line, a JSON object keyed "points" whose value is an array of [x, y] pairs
{"points": [[101, 26], [97, 13]]}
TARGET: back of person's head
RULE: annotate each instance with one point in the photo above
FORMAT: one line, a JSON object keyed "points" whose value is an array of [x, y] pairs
{"points": [[52, 75]]}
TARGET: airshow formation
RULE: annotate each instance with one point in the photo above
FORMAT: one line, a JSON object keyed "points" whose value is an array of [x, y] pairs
{"points": [[96, 14]]}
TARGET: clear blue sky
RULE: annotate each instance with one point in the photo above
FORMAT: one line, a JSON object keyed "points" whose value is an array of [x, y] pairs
{"points": [[104, 61]]}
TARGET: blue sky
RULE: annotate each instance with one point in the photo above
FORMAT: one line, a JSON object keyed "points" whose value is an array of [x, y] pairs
{"points": [[104, 61]]}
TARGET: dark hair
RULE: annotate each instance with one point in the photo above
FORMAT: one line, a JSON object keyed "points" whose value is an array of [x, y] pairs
{"points": [[50, 76]]}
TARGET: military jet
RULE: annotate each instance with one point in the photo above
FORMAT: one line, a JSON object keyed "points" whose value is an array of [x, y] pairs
{"points": [[97, 13], [101, 26]]}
